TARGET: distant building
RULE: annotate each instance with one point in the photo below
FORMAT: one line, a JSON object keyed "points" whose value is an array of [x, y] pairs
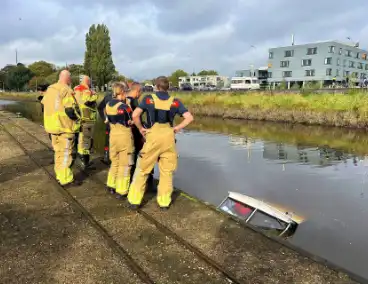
{"points": [[320, 62], [202, 81], [260, 73]]}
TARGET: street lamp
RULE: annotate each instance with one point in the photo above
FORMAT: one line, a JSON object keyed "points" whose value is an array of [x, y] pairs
{"points": [[252, 65]]}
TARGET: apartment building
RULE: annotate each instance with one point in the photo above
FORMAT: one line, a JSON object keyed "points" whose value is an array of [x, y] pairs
{"points": [[261, 73], [322, 62], [201, 81]]}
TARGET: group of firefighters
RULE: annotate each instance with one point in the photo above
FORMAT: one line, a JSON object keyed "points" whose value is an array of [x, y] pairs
{"points": [[134, 147]]}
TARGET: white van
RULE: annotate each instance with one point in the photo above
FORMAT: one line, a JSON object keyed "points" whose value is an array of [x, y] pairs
{"points": [[244, 83]]}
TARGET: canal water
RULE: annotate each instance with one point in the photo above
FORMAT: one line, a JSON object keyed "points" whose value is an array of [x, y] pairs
{"points": [[320, 173]]}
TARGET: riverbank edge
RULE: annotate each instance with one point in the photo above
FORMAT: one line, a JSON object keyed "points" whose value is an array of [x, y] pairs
{"points": [[317, 259], [348, 119], [338, 118]]}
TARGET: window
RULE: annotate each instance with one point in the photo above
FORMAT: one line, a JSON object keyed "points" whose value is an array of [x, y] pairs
{"points": [[267, 222], [348, 53], [289, 53], [340, 51], [310, 73], [358, 55], [346, 73], [331, 49], [344, 64], [362, 76], [284, 63], [270, 55], [312, 50], [269, 74], [337, 72], [351, 64], [248, 82], [236, 208], [338, 62], [366, 67], [328, 60], [307, 62], [360, 65], [287, 74], [328, 72], [364, 56]]}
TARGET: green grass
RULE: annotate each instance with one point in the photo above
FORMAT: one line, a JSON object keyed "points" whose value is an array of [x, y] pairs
{"points": [[312, 102]]}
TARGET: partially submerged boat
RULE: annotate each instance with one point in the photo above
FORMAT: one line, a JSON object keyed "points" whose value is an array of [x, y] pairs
{"points": [[269, 217]]}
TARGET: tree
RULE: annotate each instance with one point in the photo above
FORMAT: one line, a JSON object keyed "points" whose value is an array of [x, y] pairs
{"points": [[207, 72], [18, 76], [174, 77], [42, 68], [76, 69], [36, 81], [98, 62], [52, 78]]}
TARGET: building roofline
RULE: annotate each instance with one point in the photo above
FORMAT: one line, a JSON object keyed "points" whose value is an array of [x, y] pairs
{"points": [[350, 44]]}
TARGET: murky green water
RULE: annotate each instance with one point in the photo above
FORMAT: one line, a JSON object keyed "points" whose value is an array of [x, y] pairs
{"points": [[320, 173]]}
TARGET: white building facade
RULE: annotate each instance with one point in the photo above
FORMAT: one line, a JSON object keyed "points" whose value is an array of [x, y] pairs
{"points": [[207, 80]]}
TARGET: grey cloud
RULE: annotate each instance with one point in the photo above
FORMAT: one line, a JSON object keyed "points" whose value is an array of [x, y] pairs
{"points": [[152, 37], [192, 15]]}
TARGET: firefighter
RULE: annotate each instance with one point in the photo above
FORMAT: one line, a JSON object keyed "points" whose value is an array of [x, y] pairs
{"points": [[132, 101], [118, 114], [160, 143], [62, 121], [87, 101]]}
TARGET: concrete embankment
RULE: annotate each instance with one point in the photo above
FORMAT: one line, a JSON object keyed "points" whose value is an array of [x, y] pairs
{"points": [[45, 239]]}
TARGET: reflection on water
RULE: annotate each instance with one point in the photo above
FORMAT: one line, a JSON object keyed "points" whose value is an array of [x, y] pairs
{"points": [[4, 103], [317, 172]]}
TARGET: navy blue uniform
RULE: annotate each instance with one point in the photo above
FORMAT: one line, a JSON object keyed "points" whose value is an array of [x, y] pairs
{"points": [[152, 116]]}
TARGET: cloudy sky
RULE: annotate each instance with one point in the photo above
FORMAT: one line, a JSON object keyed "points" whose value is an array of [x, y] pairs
{"points": [[155, 37]]}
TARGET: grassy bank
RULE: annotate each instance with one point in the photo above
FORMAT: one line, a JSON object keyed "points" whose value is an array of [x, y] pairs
{"points": [[349, 110], [323, 109]]}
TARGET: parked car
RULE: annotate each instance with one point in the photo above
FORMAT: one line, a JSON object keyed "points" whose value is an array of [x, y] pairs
{"points": [[148, 88], [186, 87], [270, 218]]}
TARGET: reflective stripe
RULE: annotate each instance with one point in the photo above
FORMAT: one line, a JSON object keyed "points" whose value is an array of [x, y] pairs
{"points": [[66, 153], [57, 101]]}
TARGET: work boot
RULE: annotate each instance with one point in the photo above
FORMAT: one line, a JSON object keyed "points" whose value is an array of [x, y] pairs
{"points": [[73, 183], [133, 207], [110, 190], [120, 197], [87, 165]]}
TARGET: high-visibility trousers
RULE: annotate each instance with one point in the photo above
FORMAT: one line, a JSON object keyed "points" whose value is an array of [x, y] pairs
{"points": [[160, 146], [121, 156], [63, 147], [85, 138]]}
